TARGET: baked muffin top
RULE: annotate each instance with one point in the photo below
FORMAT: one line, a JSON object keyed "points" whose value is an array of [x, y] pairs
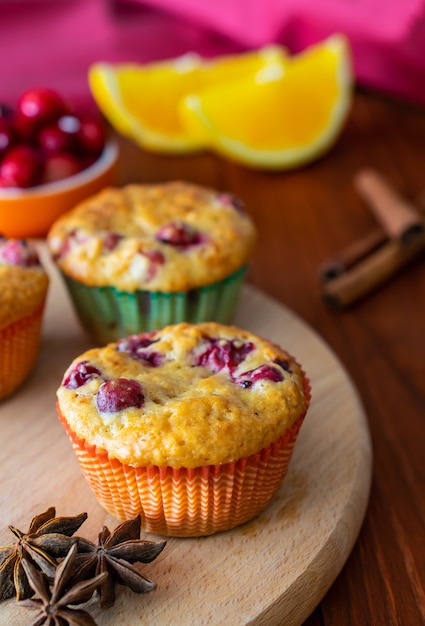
{"points": [[23, 281], [167, 237], [188, 395]]}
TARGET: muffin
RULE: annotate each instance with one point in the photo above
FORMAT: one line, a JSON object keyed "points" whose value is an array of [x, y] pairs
{"points": [[191, 427], [142, 257], [23, 290]]}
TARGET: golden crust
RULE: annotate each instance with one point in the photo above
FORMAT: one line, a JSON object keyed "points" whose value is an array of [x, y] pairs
{"points": [[22, 291], [136, 213], [191, 415]]}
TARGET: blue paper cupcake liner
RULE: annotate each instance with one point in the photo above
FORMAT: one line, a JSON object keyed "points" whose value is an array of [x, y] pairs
{"points": [[107, 313]]}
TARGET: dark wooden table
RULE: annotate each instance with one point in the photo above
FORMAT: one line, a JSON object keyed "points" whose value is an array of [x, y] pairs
{"points": [[304, 217]]}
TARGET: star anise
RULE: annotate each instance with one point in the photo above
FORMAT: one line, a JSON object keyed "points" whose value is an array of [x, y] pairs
{"points": [[116, 553], [48, 538], [56, 605]]}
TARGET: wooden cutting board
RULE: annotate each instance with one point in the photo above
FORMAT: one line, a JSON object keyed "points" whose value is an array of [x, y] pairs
{"points": [[273, 570]]}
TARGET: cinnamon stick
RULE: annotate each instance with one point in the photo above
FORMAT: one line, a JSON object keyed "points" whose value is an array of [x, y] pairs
{"points": [[399, 219], [371, 273], [405, 222], [351, 255]]}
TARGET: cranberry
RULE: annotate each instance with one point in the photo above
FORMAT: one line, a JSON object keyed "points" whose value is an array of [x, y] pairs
{"points": [[178, 234], [80, 374], [59, 166], [263, 372], [155, 259], [119, 394], [91, 135], [73, 238], [53, 139], [21, 167], [6, 111], [70, 125], [135, 342], [41, 105], [224, 353], [44, 123], [24, 128], [111, 240], [229, 199], [18, 252], [155, 256], [152, 358], [6, 134], [88, 160], [136, 345], [284, 364]]}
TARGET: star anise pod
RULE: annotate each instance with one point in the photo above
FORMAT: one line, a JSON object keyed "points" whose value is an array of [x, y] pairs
{"points": [[56, 605], [48, 538], [116, 553]]}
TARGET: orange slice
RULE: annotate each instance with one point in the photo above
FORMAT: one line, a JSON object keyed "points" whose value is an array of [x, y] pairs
{"points": [[282, 116], [141, 100]]}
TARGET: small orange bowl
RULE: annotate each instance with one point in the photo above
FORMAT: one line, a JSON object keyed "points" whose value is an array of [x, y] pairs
{"points": [[30, 212]]}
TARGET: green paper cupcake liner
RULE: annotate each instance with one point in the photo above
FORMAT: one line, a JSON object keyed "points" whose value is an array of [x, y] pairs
{"points": [[108, 314]]}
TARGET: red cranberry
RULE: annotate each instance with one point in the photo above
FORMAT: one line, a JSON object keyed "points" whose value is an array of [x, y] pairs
{"points": [[224, 353], [6, 134], [44, 122], [91, 135], [136, 342], [73, 238], [59, 166], [229, 199], [80, 374], [18, 252], [136, 345], [53, 139], [263, 372], [110, 241], [178, 234], [21, 167], [41, 105], [152, 358], [6, 111], [88, 160], [155, 256], [284, 364], [24, 128], [70, 125], [119, 394], [267, 372]]}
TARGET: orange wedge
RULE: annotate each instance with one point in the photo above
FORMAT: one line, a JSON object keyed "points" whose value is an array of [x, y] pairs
{"points": [[141, 101], [282, 116]]}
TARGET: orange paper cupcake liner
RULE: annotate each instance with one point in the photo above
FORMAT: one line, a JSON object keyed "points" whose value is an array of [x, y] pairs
{"points": [[19, 343], [186, 502]]}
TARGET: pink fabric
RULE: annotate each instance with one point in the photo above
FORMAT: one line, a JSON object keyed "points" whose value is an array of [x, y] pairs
{"points": [[53, 42]]}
